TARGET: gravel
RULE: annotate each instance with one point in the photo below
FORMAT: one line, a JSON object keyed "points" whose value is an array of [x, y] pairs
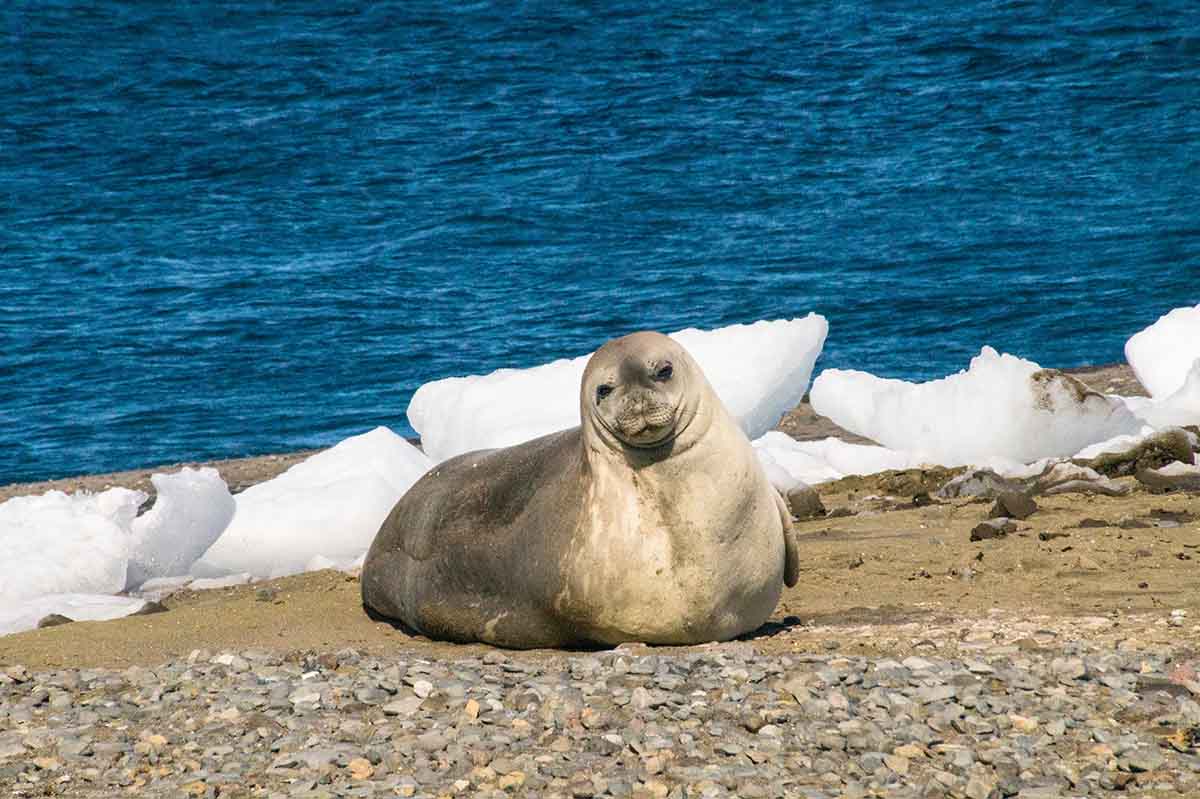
{"points": [[721, 720]]}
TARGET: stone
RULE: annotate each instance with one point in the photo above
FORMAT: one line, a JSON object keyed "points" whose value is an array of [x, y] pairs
{"points": [[53, 620], [403, 707], [993, 528], [1158, 450], [1177, 476], [804, 502], [1144, 758], [1013, 505], [982, 483]]}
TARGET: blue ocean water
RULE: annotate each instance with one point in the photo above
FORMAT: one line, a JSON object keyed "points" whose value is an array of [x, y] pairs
{"points": [[251, 226]]}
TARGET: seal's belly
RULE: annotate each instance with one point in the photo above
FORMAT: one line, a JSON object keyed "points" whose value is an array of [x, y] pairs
{"points": [[666, 580]]}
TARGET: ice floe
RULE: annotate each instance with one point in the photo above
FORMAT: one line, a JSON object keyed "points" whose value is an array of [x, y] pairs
{"points": [[191, 510], [330, 505], [66, 544], [1000, 407], [760, 371], [1164, 353], [788, 462], [25, 614]]}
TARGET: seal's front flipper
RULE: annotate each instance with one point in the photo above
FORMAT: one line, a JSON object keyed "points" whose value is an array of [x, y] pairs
{"points": [[791, 544]]}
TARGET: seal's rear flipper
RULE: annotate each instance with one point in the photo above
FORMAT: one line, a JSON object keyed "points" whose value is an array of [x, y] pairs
{"points": [[791, 544]]}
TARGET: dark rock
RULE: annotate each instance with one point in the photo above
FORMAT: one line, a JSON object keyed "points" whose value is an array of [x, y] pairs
{"points": [[804, 502], [1046, 535], [993, 528], [1090, 523], [1013, 505], [1154, 452], [1177, 476], [53, 620]]}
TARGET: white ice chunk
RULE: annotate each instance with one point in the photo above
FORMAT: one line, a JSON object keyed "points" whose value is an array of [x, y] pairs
{"points": [[815, 462], [192, 509], [213, 583], [760, 371], [1179, 409], [60, 544], [1122, 443], [1162, 354], [163, 585], [1000, 407], [25, 614], [331, 504]]}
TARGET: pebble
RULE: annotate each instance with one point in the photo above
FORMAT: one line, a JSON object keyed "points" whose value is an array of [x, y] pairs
{"points": [[1062, 718]]}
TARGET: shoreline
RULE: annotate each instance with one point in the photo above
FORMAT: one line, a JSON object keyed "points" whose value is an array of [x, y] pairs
{"points": [[801, 423]]}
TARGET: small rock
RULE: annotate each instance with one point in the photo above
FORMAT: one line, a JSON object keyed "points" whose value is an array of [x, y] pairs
{"points": [[53, 620], [403, 707], [1143, 758], [1013, 505], [993, 528], [804, 502], [983, 483], [360, 769], [1177, 476], [1047, 535]]}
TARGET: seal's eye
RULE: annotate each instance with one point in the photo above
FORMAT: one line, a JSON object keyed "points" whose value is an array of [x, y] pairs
{"points": [[664, 373], [603, 391]]}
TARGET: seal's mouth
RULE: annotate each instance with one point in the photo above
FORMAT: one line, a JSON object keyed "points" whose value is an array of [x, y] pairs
{"points": [[644, 424]]}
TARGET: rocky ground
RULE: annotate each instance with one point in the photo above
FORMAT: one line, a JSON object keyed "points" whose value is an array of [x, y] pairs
{"points": [[1039, 716], [1055, 656]]}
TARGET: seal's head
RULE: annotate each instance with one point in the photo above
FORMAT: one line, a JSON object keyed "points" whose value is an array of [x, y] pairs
{"points": [[640, 391]]}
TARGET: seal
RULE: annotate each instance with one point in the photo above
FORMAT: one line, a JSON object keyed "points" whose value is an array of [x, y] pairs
{"points": [[652, 521]]}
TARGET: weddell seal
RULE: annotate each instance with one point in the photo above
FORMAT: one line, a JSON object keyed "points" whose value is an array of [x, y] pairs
{"points": [[652, 521]]}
